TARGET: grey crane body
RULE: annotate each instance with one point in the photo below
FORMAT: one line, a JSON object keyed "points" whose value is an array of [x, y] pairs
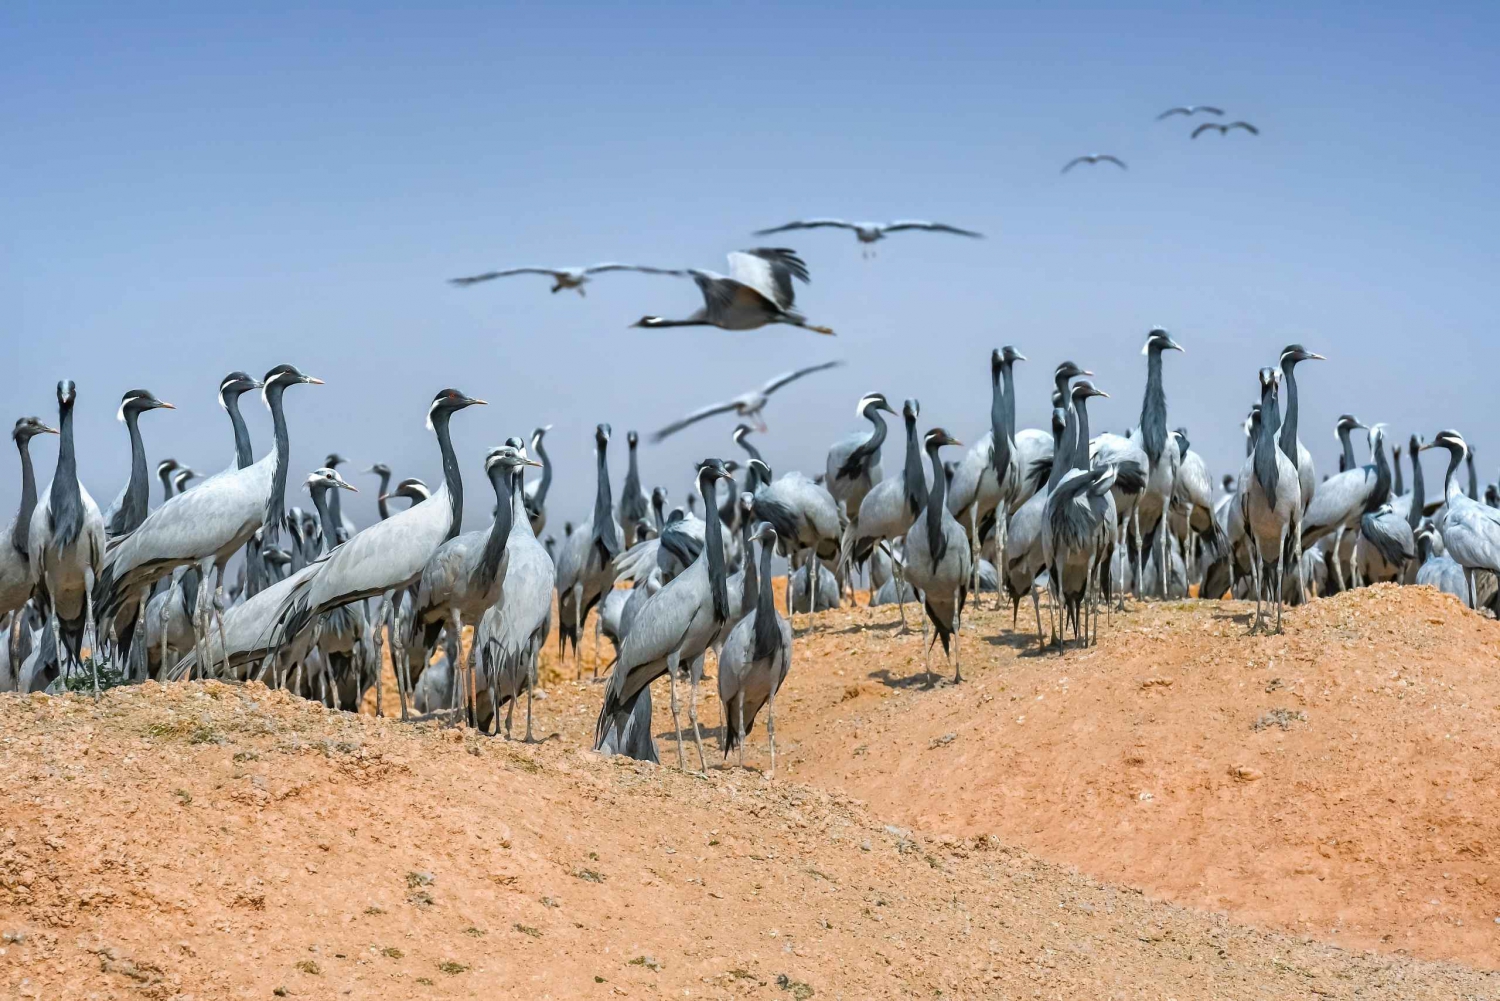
{"points": [[674, 628], [1270, 501], [635, 503], [1386, 544], [1342, 500], [891, 506], [126, 512], [15, 563], [65, 544], [1441, 571], [803, 512], [391, 555], [754, 661], [757, 291], [1078, 520], [1154, 438], [207, 524], [1470, 530], [512, 633], [938, 559]]}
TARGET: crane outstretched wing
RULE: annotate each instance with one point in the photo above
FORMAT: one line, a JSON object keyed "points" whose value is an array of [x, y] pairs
{"points": [[1205, 127], [1243, 125], [1075, 162], [786, 377], [1107, 158], [491, 275], [806, 224], [769, 271], [693, 418], [643, 269], [933, 227]]}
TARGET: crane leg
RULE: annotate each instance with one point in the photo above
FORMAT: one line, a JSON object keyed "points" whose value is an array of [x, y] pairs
{"points": [[598, 630], [219, 620], [529, 677], [577, 630], [1255, 572], [740, 732], [1280, 570], [958, 674], [900, 594], [1002, 542], [814, 579], [771, 731], [1036, 606], [379, 644], [974, 543], [398, 660], [676, 714], [693, 715], [90, 630], [1338, 565]]}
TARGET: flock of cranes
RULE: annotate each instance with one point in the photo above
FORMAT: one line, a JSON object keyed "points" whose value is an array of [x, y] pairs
{"points": [[1088, 517]]}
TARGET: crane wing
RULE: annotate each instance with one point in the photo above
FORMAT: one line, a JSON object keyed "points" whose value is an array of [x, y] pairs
{"points": [[934, 227], [693, 418], [643, 269], [718, 291], [769, 271], [806, 224], [786, 377], [1243, 125], [1073, 163], [491, 275], [1114, 160], [1174, 111], [1204, 128]]}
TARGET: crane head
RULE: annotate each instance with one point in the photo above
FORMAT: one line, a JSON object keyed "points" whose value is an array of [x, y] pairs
{"points": [[1158, 340], [28, 428], [233, 385], [447, 402], [937, 438]]}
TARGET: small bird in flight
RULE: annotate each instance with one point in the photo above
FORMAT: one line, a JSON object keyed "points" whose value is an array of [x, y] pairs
{"points": [[1190, 110], [870, 232], [1095, 158], [563, 278], [757, 291], [1224, 129], [747, 405]]}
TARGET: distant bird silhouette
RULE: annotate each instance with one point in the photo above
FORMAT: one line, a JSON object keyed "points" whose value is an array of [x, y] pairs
{"points": [[746, 405], [1224, 129], [1094, 158], [562, 278], [870, 232], [1189, 109]]}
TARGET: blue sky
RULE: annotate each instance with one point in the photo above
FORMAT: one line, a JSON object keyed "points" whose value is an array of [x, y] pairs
{"points": [[190, 189]]}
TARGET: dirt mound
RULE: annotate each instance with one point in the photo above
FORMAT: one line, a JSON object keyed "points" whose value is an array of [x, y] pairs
{"points": [[1341, 780], [222, 841]]}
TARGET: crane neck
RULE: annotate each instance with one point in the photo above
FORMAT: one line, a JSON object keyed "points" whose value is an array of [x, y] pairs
{"points": [[1062, 455], [752, 580], [1382, 491], [713, 546], [1424, 548], [166, 485], [1398, 486], [1000, 431], [1081, 444], [937, 542], [1418, 488], [1346, 460], [138, 489], [911, 473], [494, 544], [276, 501], [1154, 410], [19, 534], [1288, 439], [877, 434], [546, 481], [752, 478], [766, 635], [1450, 488], [1267, 473], [66, 497], [243, 456], [1473, 477], [452, 477], [325, 515], [518, 501], [382, 502], [605, 538]]}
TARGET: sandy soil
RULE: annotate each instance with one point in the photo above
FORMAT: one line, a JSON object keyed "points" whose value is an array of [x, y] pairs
{"points": [[225, 841]]}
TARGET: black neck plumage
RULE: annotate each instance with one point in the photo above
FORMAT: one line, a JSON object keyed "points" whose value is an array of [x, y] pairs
{"points": [[19, 534]]}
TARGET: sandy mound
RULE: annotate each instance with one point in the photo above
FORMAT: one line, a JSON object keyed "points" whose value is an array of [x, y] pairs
{"points": [[223, 841]]}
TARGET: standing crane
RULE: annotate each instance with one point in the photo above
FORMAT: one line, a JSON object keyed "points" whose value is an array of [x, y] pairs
{"points": [[634, 502], [512, 633], [938, 560], [853, 466], [1270, 500], [586, 563], [755, 660], [890, 508], [678, 624], [989, 474], [1470, 529], [536, 493], [15, 560], [1151, 511], [65, 549]]}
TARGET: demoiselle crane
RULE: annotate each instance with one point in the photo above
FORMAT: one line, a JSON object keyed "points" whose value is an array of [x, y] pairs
{"points": [[870, 233], [65, 550], [1189, 110], [747, 406], [563, 278], [938, 559], [755, 660], [853, 465], [15, 561], [635, 504], [1470, 530], [1340, 501], [164, 470], [382, 500], [757, 291], [1224, 130], [586, 561], [1092, 159], [1078, 523], [989, 474], [891, 507], [678, 624], [804, 514], [1270, 499], [1152, 431], [463, 578]]}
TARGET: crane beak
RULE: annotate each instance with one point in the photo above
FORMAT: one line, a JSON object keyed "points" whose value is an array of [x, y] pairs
{"points": [[49, 429], [164, 405], [529, 461], [1087, 373], [1314, 356], [312, 381], [349, 486]]}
